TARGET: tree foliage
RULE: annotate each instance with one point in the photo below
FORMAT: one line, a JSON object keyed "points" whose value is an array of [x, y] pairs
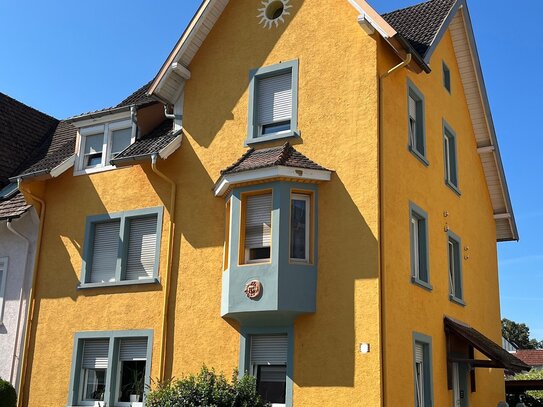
{"points": [[519, 335], [206, 389], [8, 396]]}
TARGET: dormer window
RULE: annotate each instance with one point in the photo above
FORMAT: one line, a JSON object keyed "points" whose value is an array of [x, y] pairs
{"points": [[100, 144]]}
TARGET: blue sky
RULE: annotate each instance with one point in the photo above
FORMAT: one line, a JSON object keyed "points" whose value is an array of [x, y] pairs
{"points": [[68, 57]]}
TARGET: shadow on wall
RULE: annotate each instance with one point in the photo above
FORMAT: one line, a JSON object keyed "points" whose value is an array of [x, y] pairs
{"points": [[213, 101], [325, 347]]}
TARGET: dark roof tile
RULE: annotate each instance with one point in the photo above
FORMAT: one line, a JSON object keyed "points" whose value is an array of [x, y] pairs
{"points": [[284, 155], [13, 207], [22, 130], [419, 24], [150, 144]]}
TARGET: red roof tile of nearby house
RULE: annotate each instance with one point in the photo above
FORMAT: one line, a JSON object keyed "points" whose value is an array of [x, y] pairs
{"points": [[531, 357]]}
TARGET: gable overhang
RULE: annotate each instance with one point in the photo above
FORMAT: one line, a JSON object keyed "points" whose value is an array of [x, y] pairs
{"points": [[169, 82], [54, 172], [459, 23]]}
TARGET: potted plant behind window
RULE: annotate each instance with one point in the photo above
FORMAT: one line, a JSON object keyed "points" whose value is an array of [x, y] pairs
{"points": [[135, 387]]}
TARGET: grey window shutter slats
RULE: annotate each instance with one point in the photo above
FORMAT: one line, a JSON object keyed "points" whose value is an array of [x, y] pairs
{"points": [[269, 349], [142, 241], [105, 252], [258, 221], [274, 98], [95, 354], [419, 353], [133, 349]]}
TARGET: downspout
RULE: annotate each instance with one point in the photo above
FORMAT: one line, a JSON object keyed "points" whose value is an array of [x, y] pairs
{"points": [[31, 295], [381, 249], [166, 284], [17, 332], [170, 116]]}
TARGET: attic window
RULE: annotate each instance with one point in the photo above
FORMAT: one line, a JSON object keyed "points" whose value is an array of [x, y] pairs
{"points": [[273, 12]]}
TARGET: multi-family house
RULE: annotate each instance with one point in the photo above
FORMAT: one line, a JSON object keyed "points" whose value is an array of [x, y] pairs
{"points": [[24, 131], [308, 191]]}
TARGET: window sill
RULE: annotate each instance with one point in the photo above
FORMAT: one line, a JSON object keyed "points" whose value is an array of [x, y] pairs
{"points": [[419, 156], [422, 284], [453, 187], [455, 300], [85, 286], [95, 170], [271, 137]]}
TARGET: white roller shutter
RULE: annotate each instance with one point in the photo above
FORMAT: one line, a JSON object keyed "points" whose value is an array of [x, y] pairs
{"points": [[133, 349], [105, 252], [95, 354], [274, 98], [269, 349], [141, 248], [419, 353], [258, 221]]}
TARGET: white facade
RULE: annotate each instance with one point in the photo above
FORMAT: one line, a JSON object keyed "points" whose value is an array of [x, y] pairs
{"points": [[20, 252]]}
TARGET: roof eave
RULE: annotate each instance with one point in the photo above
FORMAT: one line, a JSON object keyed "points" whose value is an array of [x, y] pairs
{"points": [[163, 153]]}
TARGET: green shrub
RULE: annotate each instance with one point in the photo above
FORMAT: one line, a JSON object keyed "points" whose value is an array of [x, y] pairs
{"points": [[206, 389], [8, 397]]}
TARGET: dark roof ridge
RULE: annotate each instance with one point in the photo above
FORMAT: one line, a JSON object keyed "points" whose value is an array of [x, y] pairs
{"points": [[407, 7], [285, 154]]}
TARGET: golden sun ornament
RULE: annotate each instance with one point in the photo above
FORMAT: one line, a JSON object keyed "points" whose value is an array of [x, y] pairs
{"points": [[273, 12]]}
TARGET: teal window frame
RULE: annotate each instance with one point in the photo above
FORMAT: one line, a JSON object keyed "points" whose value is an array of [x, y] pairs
{"points": [[421, 255], [450, 157], [456, 285], [245, 353], [426, 342], [418, 148], [114, 338], [446, 77], [253, 131], [124, 218]]}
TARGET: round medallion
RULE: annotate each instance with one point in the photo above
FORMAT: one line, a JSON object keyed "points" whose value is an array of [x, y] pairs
{"points": [[273, 12], [253, 289]]}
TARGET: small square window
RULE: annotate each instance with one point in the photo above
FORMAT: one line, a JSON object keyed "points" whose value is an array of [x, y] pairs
{"points": [[273, 102], [446, 77]]}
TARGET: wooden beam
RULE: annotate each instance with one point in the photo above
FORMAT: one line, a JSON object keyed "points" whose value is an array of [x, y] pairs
{"points": [[473, 384], [477, 363]]}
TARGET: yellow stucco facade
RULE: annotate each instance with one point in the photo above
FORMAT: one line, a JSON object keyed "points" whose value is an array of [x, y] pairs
{"points": [[339, 124]]}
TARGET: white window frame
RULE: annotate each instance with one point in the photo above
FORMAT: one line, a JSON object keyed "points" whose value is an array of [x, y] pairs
{"points": [[107, 130], [3, 281], [307, 200]]}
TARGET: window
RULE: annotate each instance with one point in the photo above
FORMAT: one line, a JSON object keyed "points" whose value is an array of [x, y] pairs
{"points": [[451, 165], [419, 247], [455, 268], [422, 347], [446, 77], [122, 248], [3, 281], [268, 362], [273, 102], [226, 260], [300, 224], [417, 138], [422, 351], [100, 144], [257, 228], [113, 367]]}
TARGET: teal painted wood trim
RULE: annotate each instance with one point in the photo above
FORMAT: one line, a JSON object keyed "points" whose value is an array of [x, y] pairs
{"points": [[124, 218], [113, 353], [447, 79], [245, 351], [413, 91], [426, 341], [420, 213], [263, 72], [448, 131], [457, 297]]}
